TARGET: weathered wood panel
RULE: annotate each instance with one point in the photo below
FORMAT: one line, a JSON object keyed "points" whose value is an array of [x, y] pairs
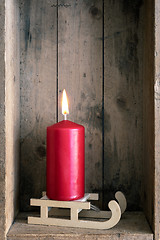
{"points": [[132, 226], [80, 73], [12, 112], [154, 149], [38, 92], [9, 114], [123, 29], [80, 54], [2, 120], [148, 113]]}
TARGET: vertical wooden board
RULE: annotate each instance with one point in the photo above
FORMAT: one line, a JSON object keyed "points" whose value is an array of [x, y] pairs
{"points": [[2, 121], [123, 29], [155, 22], [80, 73], [148, 113], [38, 92], [12, 111]]}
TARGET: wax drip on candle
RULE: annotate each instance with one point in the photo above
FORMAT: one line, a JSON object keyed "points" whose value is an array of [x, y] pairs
{"points": [[65, 109]]}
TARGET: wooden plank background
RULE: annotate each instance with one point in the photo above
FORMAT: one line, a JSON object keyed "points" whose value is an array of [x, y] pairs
{"points": [[38, 92], [123, 100], [148, 118], [93, 49], [79, 71], [154, 122], [12, 112], [2, 123]]}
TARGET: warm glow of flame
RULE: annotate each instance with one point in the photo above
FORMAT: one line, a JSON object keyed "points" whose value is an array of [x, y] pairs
{"points": [[65, 109]]}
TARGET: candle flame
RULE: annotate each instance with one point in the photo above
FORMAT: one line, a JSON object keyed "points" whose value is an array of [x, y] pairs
{"points": [[65, 109]]}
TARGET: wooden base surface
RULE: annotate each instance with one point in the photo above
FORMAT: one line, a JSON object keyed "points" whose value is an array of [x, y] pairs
{"points": [[133, 226]]}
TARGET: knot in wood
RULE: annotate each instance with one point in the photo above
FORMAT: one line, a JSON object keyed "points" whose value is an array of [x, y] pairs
{"points": [[95, 12]]}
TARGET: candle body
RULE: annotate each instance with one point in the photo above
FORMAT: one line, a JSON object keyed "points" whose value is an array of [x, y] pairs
{"points": [[65, 161]]}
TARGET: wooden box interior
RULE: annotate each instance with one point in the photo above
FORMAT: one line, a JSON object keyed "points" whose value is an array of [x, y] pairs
{"points": [[101, 52]]}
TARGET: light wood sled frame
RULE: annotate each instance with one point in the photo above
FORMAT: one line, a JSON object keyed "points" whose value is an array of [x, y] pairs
{"points": [[76, 207]]}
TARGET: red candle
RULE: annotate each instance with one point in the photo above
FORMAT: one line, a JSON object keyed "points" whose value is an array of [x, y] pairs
{"points": [[65, 160]]}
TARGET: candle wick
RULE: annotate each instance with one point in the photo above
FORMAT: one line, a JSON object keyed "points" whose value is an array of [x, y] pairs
{"points": [[65, 116]]}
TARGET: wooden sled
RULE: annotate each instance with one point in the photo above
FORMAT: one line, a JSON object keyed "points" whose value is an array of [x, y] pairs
{"points": [[78, 208]]}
